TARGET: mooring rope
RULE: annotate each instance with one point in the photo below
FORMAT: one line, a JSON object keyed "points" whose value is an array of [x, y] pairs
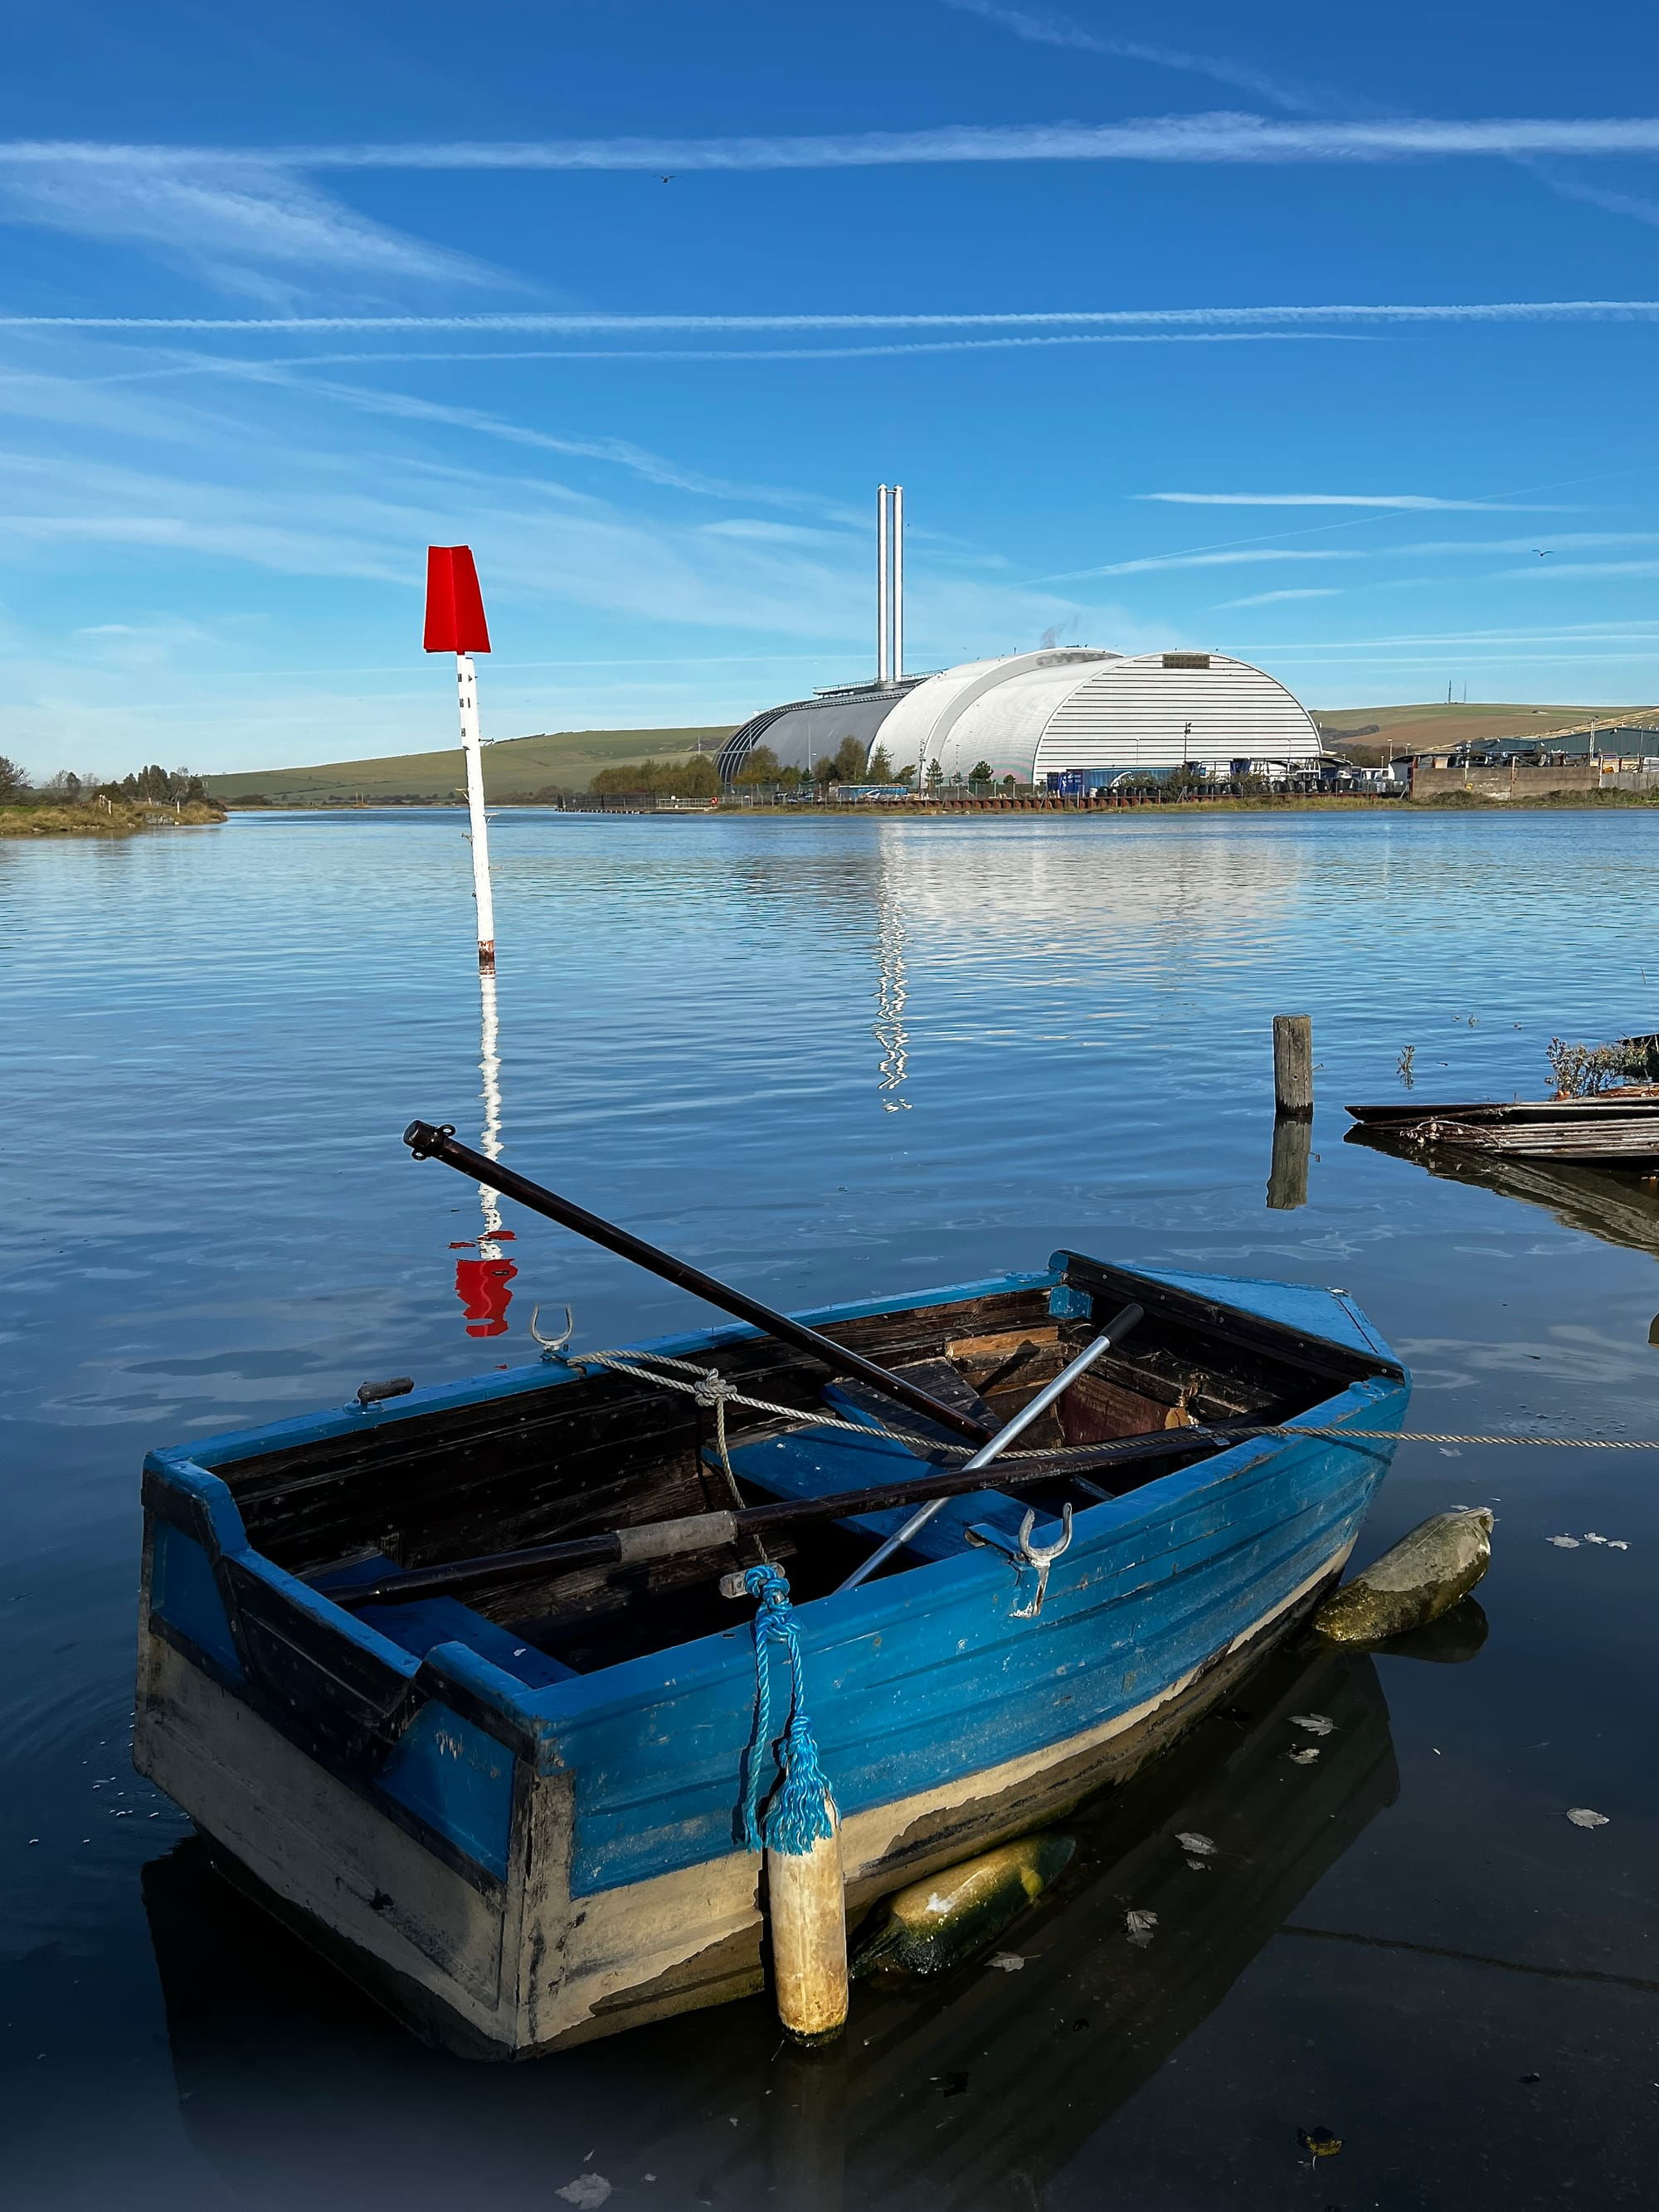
{"points": [[710, 1388], [1453, 1436], [801, 1813]]}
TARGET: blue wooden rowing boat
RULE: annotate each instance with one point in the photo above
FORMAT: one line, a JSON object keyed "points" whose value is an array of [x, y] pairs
{"points": [[513, 1814]]}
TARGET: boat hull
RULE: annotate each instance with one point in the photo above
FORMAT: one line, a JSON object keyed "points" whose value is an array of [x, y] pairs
{"points": [[433, 1953], [513, 1871]]}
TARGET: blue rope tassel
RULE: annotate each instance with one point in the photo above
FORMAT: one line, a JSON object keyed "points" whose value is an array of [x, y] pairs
{"points": [[800, 1814]]}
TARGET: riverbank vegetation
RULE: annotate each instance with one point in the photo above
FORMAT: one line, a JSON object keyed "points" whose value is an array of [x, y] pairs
{"points": [[69, 806]]}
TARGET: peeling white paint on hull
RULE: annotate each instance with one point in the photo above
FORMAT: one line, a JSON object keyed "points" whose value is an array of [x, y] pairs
{"points": [[519, 1968]]}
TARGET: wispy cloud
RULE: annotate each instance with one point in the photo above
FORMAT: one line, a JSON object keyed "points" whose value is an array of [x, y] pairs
{"points": [[1574, 568], [244, 222], [1572, 188], [205, 363], [1273, 598], [1412, 500], [572, 323], [1249, 551], [1217, 138], [1046, 30], [1232, 558]]}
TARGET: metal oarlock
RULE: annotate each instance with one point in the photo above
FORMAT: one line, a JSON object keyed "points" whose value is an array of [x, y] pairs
{"points": [[552, 1346], [1024, 1554]]}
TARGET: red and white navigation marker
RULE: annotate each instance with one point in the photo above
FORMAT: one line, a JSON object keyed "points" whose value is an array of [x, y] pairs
{"points": [[455, 623]]}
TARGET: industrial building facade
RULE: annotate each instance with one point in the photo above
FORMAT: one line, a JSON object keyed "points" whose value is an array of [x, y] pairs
{"points": [[1072, 711]]}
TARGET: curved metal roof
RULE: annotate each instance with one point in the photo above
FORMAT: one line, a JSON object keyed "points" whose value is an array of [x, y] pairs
{"points": [[1064, 707], [802, 730]]}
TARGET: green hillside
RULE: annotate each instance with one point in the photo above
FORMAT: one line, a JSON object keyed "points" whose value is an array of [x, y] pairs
{"points": [[562, 759]]}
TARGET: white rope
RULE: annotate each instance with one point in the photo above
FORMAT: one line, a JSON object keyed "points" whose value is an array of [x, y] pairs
{"points": [[709, 1387]]}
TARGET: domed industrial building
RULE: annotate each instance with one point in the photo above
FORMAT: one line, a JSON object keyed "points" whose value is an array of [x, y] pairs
{"points": [[1072, 711], [1031, 715]]}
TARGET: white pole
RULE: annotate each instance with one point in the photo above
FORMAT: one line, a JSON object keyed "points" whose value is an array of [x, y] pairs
{"points": [[881, 583], [466, 683], [898, 582]]}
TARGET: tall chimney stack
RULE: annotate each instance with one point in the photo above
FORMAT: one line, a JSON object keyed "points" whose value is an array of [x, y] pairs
{"points": [[881, 583], [898, 582]]}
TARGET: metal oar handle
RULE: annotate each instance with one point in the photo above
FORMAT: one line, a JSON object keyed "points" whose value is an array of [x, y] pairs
{"points": [[437, 1141], [1118, 1327]]}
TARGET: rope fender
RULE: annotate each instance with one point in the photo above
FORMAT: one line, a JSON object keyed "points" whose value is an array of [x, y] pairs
{"points": [[801, 1812]]}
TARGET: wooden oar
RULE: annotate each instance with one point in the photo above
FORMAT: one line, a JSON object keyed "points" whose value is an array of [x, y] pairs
{"points": [[430, 1142], [707, 1532]]}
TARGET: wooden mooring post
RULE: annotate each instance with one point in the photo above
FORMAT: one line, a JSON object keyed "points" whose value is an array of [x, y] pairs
{"points": [[1293, 1065]]}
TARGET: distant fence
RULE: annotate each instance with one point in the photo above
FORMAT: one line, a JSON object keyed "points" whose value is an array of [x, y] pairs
{"points": [[1514, 782]]}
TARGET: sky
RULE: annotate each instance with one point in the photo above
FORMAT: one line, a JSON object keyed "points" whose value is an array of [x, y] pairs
{"points": [[1320, 336]]}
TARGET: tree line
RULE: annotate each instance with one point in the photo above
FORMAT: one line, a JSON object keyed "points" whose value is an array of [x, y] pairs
{"points": [[155, 784]]}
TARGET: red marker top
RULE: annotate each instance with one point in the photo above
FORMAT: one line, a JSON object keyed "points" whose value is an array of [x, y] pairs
{"points": [[454, 605]]}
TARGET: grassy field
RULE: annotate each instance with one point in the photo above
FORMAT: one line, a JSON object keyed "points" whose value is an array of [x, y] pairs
{"points": [[1365, 731], [564, 760]]}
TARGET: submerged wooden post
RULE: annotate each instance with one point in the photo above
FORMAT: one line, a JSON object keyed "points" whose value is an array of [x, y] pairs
{"points": [[1287, 1178], [1293, 1065], [806, 1907]]}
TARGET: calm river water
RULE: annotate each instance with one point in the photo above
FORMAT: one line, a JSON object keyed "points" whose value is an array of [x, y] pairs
{"points": [[825, 1060]]}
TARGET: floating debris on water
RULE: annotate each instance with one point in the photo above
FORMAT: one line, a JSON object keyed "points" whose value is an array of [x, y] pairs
{"points": [[1200, 1846], [1304, 1757], [1563, 1543], [1315, 1724], [585, 2191], [934, 1925], [1141, 1927], [1319, 2143], [1583, 1817], [1424, 1576], [1006, 1962]]}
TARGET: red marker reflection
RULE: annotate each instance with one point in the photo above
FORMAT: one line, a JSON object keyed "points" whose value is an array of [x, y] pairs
{"points": [[482, 1287]]}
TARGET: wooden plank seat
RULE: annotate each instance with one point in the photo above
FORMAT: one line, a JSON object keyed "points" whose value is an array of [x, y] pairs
{"points": [[428, 1621]]}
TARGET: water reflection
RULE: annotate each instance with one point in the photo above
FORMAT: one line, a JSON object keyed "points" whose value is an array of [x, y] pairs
{"points": [[481, 1282], [1287, 1178], [968, 2094], [1611, 1203], [891, 992]]}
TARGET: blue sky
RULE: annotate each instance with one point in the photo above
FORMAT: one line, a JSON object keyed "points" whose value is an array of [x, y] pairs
{"points": [[1117, 293]]}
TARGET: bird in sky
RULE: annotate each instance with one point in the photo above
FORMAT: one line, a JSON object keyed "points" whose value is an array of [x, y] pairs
{"points": [[665, 181], [1543, 551]]}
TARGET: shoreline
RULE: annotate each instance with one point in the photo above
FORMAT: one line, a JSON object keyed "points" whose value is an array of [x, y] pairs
{"points": [[1457, 803], [89, 820]]}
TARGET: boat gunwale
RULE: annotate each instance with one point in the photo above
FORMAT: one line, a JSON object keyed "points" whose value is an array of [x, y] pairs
{"points": [[526, 1719], [230, 1447], [874, 1607], [523, 1717]]}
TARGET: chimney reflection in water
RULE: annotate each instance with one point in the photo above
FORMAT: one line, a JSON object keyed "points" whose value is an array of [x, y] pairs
{"points": [[891, 991]]}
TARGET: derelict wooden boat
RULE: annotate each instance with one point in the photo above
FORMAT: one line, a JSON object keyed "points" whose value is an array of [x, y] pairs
{"points": [[1612, 1126], [514, 1817]]}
